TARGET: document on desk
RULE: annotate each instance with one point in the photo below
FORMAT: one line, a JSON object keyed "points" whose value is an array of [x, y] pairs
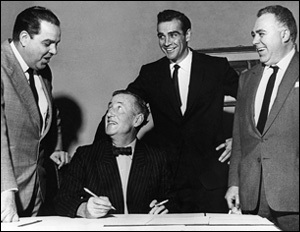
{"points": [[236, 219], [153, 220]]}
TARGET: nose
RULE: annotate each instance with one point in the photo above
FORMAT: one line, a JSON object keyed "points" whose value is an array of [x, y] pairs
{"points": [[53, 49], [255, 40], [167, 41]]}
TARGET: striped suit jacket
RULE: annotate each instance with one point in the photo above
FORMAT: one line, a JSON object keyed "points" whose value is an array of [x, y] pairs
{"points": [[95, 167]]}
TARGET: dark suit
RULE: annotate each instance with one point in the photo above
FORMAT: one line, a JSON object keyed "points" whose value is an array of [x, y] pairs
{"points": [[274, 155], [191, 138], [95, 167]]}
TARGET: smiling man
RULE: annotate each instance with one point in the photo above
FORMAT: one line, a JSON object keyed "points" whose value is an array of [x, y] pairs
{"points": [[264, 166], [125, 174], [185, 91], [27, 113]]}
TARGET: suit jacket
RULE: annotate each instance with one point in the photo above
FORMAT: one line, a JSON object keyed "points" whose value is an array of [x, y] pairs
{"points": [[22, 146], [95, 167], [191, 138], [274, 155]]}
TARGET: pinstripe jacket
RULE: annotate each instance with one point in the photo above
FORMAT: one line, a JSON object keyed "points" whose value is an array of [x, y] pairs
{"points": [[95, 167]]}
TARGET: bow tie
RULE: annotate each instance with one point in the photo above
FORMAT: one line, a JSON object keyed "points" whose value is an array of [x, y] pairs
{"points": [[121, 151]]}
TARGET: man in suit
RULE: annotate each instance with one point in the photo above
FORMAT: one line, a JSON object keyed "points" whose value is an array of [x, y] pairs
{"points": [[132, 182], [26, 121], [264, 166], [188, 121]]}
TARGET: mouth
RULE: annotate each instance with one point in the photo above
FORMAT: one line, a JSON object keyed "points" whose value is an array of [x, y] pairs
{"points": [[260, 50], [170, 50]]}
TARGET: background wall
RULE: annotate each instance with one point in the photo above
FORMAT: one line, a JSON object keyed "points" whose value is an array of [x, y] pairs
{"points": [[105, 43]]}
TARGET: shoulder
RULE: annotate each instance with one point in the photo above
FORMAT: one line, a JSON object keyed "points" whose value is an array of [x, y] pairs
{"points": [[201, 57], [156, 64], [90, 151], [152, 153]]}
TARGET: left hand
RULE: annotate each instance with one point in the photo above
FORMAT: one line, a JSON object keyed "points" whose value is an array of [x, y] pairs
{"points": [[60, 158], [227, 153], [157, 209]]}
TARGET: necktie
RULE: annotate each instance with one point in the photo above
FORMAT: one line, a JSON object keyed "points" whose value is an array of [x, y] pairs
{"points": [[175, 82], [266, 102], [32, 85], [121, 151]]}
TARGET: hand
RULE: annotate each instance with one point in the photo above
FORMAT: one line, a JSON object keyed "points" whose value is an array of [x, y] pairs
{"points": [[227, 153], [60, 158], [157, 209], [8, 207], [232, 197], [98, 207]]}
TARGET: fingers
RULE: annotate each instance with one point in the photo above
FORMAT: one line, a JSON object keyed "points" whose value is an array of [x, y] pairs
{"points": [[98, 206], [158, 209], [227, 152], [9, 216], [61, 158], [152, 204]]}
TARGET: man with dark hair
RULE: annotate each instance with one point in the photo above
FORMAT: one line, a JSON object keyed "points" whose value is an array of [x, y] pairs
{"points": [[264, 166], [122, 172], [27, 113], [185, 91]]}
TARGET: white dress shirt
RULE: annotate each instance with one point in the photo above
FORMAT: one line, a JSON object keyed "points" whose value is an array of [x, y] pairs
{"points": [[124, 164], [43, 103], [282, 65], [184, 73]]}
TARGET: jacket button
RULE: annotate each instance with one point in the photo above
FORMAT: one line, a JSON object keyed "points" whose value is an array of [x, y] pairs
{"points": [[258, 159]]}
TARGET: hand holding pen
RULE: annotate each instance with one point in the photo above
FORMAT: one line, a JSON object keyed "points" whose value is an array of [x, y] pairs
{"points": [[158, 207], [98, 206]]}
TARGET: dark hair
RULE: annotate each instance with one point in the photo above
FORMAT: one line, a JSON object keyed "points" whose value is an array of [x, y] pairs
{"points": [[30, 21], [139, 105], [169, 15], [283, 15]]}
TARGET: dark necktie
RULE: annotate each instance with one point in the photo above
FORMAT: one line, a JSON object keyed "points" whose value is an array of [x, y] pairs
{"points": [[266, 102], [121, 151], [32, 85], [175, 82]]}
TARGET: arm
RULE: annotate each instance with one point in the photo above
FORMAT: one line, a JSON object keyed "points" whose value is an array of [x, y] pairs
{"points": [[8, 181]]}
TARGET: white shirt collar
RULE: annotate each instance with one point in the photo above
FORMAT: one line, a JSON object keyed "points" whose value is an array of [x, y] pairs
{"points": [[284, 63], [185, 64], [23, 64]]}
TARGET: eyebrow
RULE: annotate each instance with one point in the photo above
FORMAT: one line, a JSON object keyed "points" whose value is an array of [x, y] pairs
{"points": [[170, 32]]}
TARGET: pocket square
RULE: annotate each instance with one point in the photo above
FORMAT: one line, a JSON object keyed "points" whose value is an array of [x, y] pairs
{"points": [[297, 84]]}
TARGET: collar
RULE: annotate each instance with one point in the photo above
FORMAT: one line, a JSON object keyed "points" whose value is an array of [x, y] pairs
{"points": [[21, 61], [284, 63], [185, 64], [132, 145]]}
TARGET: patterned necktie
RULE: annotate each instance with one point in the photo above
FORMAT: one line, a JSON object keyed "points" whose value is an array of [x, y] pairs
{"points": [[121, 151], [266, 102], [32, 85], [175, 82]]}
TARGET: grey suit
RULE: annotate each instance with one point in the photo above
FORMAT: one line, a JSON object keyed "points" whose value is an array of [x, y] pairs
{"points": [[274, 155], [23, 148]]}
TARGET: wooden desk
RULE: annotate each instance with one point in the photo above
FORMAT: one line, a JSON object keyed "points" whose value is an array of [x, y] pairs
{"points": [[146, 222]]}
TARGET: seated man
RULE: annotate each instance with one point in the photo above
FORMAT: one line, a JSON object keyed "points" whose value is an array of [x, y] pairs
{"points": [[120, 183]]}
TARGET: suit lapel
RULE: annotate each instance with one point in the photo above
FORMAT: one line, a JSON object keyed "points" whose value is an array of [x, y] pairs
{"points": [[108, 171], [139, 171], [251, 87], [195, 81], [287, 84], [19, 80]]}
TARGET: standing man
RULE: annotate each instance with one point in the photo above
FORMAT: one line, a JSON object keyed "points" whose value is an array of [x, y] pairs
{"points": [[185, 91], [123, 172], [264, 166], [27, 112]]}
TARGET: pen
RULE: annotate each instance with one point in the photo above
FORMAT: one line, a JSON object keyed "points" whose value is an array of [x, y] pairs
{"points": [[29, 223], [161, 203], [94, 195]]}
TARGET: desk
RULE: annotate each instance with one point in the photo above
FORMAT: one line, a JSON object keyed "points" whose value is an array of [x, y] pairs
{"points": [[146, 222]]}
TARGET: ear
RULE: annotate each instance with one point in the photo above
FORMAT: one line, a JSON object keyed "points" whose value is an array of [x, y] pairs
{"points": [[24, 38], [188, 35], [286, 35], [138, 120]]}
